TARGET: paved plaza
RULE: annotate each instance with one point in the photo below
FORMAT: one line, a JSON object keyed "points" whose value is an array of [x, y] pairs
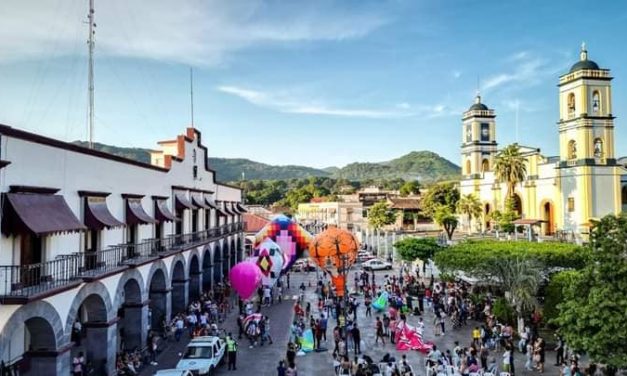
{"points": [[264, 360]]}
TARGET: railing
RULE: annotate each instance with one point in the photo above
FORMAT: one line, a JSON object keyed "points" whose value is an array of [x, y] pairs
{"points": [[24, 281]]}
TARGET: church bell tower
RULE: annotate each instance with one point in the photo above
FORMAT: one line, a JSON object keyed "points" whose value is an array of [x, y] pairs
{"points": [[478, 140]]}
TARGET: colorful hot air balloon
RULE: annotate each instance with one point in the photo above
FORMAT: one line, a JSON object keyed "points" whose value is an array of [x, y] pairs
{"points": [[270, 260], [245, 277], [288, 234], [334, 250]]}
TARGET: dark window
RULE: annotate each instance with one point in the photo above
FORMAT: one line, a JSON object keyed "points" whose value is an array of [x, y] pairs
{"points": [[179, 224], [485, 132], [194, 220]]}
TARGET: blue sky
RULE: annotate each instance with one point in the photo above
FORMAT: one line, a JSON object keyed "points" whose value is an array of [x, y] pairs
{"points": [[318, 83]]}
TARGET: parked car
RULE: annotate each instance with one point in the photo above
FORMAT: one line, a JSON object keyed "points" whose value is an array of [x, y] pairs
{"points": [[174, 372], [203, 355], [376, 264], [304, 265], [363, 256]]}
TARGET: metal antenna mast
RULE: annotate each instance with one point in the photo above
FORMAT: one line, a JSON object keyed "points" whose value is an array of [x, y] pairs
{"points": [[91, 44], [191, 92]]}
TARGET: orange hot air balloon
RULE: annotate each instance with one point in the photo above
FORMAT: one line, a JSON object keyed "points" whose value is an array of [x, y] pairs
{"points": [[334, 250]]}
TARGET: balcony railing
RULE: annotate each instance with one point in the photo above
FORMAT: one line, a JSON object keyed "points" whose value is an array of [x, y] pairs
{"points": [[33, 279], [19, 283]]}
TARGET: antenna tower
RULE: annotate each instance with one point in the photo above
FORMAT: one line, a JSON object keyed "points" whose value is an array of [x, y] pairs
{"points": [[91, 45]]}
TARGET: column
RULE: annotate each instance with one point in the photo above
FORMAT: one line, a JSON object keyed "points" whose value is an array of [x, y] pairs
{"points": [[160, 308], [135, 324], [98, 336]]}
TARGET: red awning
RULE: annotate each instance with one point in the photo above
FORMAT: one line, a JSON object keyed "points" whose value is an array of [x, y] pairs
{"points": [[163, 213], [199, 202], [241, 208], [135, 213], [182, 202], [98, 216], [39, 214]]}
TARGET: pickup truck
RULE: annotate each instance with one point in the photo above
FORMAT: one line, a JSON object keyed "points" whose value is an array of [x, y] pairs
{"points": [[203, 355]]}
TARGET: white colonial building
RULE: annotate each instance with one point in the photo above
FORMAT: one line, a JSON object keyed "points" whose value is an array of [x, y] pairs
{"points": [[113, 243]]}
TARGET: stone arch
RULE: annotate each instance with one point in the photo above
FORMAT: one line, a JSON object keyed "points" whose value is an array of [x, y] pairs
{"points": [[207, 266], [194, 276], [43, 323], [154, 268], [92, 307], [485, 165], [131, 302], [159, 294], [179, 286]]}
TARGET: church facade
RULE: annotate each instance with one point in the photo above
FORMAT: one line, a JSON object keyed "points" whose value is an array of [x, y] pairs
{"points": [[560, 194]]}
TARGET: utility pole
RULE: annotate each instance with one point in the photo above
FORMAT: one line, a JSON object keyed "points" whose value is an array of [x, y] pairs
{"points": [[91, 45]]}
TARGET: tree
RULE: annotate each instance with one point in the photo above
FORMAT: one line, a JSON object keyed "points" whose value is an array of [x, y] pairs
{"points": [[411, 187], [411, 249], [446, 218], [510, 168], [470, 206], [520, 279], [592, 318], [442, 194], [380, 215]]}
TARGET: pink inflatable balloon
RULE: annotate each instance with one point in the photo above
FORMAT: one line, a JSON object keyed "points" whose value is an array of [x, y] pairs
{"points": [[245, 277]]}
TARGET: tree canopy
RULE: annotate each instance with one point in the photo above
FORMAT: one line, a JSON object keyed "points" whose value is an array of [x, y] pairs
{"points": [[411, 187], [442, 194], [470, 206], [593, 316], [380, 215], [412, 248], [510, 167], [445, 217]]}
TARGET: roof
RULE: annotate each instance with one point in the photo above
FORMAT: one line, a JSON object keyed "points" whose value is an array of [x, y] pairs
{"points": [[584, 64], [40, 214], [254, 223], [528, 221], [204, 339], [478, 106], [405, 203]]}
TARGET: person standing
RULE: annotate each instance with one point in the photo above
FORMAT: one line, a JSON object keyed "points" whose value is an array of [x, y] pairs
{"points": [[78, 365], [179, 325], [280, 370], [379, 331], [357, 338], [559, 351], [231, 351]]}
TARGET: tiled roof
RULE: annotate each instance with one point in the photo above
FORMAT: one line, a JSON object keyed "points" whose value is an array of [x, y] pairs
{"points": [[404, 203], [254, 223]]}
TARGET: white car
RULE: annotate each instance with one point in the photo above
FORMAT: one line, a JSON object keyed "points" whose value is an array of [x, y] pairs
{"points": [[203, 355], [376, 264], [174, 372]]}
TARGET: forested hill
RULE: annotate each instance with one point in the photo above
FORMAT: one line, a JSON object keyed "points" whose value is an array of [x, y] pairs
{"points": [[425, 166]]}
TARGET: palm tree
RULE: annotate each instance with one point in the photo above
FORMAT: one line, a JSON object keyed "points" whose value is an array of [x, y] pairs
{"points": [[470, 206], [510, 168]]}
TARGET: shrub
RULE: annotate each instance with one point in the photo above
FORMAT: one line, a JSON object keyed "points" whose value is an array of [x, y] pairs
{"points": [[554, 292], [503, 311]]}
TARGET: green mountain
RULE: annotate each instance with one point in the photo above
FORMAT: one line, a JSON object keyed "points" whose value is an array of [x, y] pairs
{"points": [[425, 166]]}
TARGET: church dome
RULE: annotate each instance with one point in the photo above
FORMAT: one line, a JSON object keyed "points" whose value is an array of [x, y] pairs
{"points": [[583, 62], [478, 106]]}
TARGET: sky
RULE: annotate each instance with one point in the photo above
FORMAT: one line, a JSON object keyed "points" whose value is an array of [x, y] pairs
{"points": [[317, 83]]}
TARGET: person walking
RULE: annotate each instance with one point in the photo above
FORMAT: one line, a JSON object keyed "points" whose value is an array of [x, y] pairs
{"points": [[231, 351], [179, 325], [78, 365], [559, 351], [368, 303]]}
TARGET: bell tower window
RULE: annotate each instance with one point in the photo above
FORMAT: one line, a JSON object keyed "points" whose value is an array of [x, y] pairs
{"points": [[598, 148], [572, 149], [485, 165], [596, 102], [571, 105]]}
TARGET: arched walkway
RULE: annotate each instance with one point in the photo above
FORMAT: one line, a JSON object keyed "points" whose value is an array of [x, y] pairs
{"points": [[41, 334], [207, 277], [91, 324], [132, 317], [217, 264], [194, 277], [226, 261], [233, 254], [179, 290], [159, 296]]}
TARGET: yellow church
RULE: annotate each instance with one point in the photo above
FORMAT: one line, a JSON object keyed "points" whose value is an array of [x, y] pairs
{"points": [[562, 194]]}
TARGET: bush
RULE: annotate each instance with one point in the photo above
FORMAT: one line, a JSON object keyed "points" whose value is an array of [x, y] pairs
{"points": [[503, 311], [411, 249]]}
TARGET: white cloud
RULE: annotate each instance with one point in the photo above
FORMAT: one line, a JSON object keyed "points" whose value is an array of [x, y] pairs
{"points": [[528, 71], [186, 31], [286, 103]]}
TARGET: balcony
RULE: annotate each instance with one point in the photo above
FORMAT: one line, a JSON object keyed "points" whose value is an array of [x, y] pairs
{"points": [[22, 283]]}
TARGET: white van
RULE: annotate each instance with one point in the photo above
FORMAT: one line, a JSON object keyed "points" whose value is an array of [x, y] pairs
{"points": [[203, 355]]}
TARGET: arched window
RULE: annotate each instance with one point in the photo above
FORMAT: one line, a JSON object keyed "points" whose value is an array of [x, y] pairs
{"points": [[468, 167], [571, 104], [596, 102], [485, 165], [598, 148], [572, 149]]}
